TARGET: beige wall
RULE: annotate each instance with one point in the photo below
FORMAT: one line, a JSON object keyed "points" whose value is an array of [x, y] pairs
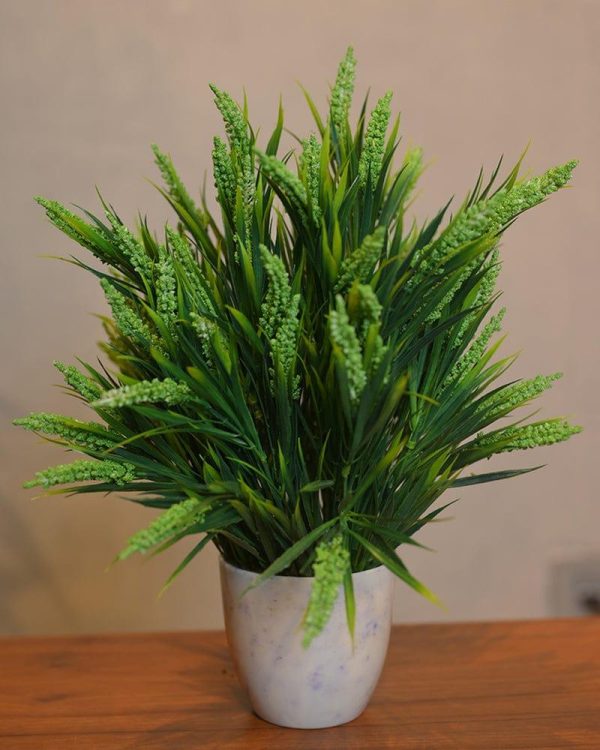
{"points": [[86, 86]]}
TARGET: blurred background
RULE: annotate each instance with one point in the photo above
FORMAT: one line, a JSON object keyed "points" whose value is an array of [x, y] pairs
{"points": [[87, 86]]}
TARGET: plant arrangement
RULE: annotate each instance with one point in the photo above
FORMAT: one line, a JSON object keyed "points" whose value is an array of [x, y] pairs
{"points": [[300, 375]]}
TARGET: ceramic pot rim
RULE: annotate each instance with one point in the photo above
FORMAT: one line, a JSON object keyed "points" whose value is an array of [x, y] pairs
{"points": [[224, 563]]}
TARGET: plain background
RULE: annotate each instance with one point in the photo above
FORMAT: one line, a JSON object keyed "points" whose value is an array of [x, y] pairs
{"points": [[87, 86]]}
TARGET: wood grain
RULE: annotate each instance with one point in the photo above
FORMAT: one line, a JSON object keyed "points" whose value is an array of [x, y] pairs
{"points": [[499, 685]]}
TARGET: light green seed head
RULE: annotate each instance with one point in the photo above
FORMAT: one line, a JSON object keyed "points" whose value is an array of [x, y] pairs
{"points": [[342, 91], [83, 471], [371, 158], [146, 392], [80, 383], [359, 265], [90, 435], [331, 563], [175, 520], [235, 123], [343, 335], [126, 318]]}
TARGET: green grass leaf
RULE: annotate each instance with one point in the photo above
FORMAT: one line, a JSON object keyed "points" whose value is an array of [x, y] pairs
{"points": [[390, 559], [292, 553]]}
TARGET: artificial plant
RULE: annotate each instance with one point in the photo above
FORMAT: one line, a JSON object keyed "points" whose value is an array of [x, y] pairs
{"points": [[300, 375]]}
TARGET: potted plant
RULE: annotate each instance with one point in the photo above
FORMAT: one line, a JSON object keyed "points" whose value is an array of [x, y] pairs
{"points": [[298, 380]]}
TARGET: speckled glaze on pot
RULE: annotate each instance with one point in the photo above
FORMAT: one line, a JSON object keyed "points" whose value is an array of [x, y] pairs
{"points": [[328, 683]]}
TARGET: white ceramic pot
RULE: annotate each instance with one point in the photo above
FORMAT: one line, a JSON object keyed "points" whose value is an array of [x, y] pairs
{"points": [[326, 684]]}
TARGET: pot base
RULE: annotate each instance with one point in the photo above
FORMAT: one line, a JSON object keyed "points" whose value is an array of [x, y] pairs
{"points": [[306, 722]]}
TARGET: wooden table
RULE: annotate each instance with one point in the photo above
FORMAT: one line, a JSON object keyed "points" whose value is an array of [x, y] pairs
{"points": [[498, 685]]}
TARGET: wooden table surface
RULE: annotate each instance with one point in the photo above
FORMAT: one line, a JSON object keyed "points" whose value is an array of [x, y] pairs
{"points": [[497, 685]]}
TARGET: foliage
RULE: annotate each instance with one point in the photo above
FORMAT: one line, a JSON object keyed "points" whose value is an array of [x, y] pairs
{"points": [[301, 378]]}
